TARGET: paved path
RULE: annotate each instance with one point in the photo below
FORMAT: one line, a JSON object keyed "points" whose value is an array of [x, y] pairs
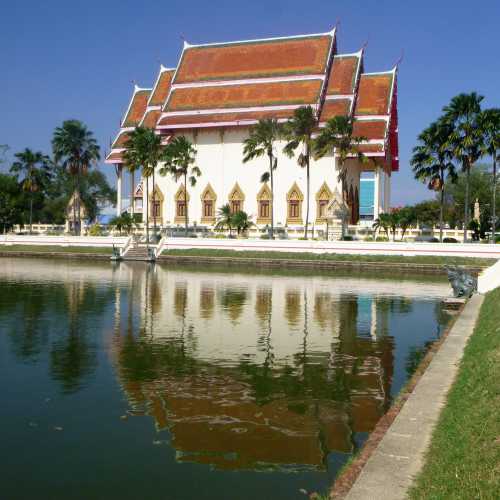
{"points": [[400, 455]]}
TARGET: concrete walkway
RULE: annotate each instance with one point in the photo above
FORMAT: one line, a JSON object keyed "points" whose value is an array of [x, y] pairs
{"points": [[399, 457]]}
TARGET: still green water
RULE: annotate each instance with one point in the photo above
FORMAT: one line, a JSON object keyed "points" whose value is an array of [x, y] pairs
{"points": [[135, 381]]}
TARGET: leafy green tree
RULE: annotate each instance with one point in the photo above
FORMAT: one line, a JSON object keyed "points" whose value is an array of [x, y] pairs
{"points": [[11, 202], [224, 218], [432, 161], [241, 221], [261, 142], [386, 222], [338, 137], [490, 126], [299, 132], [33, 167], [143, 148], [125, 221], [179, 157], [74, 145], [427, 212], [466, 139]]}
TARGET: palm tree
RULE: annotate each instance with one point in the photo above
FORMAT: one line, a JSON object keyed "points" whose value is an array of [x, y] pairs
{"points": [[260, 143], [298, 132], [179, 157], [466, 139], [337, 136], [143, 148], [74, 144], [432, 161], [490, 126], [241, 221], [35, 169], [224, 218]]}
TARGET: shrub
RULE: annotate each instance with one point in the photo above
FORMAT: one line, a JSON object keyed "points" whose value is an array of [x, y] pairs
{"points": [[265, 237], [497, 239], [368, 238], [348, 237], [220, 236], [450, 240], [382, 238], [95, 230], [433, 240]]}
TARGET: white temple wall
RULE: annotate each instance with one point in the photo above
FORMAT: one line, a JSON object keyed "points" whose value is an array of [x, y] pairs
{"points": [[220, 159]]}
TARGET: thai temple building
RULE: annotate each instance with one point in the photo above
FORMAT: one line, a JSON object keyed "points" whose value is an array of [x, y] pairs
{"points": [[218, 91]]}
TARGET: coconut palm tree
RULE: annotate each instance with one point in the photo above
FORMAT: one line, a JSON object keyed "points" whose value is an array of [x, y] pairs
{"points": [[298, 132], [179, 157], [490, 126], [143, 148], [241, 221], [34, 167], [432, 161], [74, 145], [466, 138], [260, 143], [338, 136], [224, 218]]}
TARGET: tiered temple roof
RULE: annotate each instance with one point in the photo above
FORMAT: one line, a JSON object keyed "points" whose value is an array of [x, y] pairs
{"points": [[238, 83]]}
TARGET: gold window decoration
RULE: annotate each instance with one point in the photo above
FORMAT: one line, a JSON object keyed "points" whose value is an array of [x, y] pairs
{"points": [[156, 199], [294, 200], [236, 199], [208, 203], [180, 205], [323, 198], [264, 205]]}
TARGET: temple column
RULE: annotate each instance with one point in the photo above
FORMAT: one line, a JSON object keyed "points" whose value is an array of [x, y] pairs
{"points": [[387, 192], [118, 189], [376, 194]]}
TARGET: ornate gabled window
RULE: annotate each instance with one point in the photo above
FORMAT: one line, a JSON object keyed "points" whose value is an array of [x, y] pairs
{"points": [[294, 200], [236, 199], [264, 205], [180, 205], [323, 197], [156, 205], [208, 200]]}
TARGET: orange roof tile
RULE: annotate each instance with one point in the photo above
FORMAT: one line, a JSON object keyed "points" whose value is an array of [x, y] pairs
{"points": [[371, 148], [278, 57], [120, 140], [374, 94], [343, 75], [203, 119], [335, 107], [160, 92], [151, 118], [246, 95], [371, 129], [137, 108]]}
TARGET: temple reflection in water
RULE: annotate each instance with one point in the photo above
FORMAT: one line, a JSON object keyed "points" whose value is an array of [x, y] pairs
{"points": [[261, 371]]}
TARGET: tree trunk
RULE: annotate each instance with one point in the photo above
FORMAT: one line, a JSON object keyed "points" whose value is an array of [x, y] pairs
{"points": [[272, 195], [441, 209], [494, 199], [154, 208], [31, 212], [186, 222], [307, 196], [466, 214], [132, 193], [75, 184], [79, 199], [146, 181]]}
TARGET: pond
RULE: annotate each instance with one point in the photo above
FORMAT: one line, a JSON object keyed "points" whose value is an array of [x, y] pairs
{"points": [[138, 381]]}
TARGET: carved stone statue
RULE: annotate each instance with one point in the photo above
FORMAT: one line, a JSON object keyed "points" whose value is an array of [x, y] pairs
{"points": [[462, 282]]}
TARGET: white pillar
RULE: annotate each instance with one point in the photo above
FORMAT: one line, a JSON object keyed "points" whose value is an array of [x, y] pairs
{"points": [[376, 194], [118, 189], [387, 192]]}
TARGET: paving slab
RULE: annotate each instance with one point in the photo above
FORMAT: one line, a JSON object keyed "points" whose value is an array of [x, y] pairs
{"points": [[389, 472]]}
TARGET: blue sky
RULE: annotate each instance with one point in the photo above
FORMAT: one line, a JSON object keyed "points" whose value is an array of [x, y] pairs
{"points": [[77, 59]]}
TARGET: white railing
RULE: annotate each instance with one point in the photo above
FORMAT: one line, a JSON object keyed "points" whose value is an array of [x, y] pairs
{"points": [[161, 246], [489, 279], [126, 246]]}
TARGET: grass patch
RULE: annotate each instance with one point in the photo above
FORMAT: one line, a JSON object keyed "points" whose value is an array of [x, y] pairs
{"points": [[53, 249], [419, 259], [464, 457]]}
